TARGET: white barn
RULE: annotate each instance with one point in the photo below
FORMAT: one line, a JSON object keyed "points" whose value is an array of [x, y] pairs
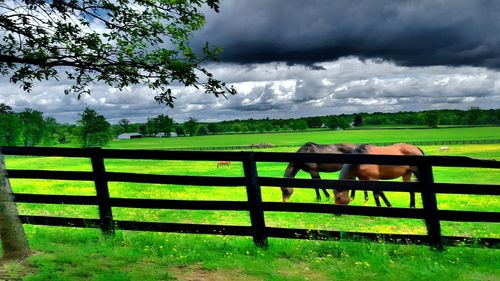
{"points": [[127, 136]]}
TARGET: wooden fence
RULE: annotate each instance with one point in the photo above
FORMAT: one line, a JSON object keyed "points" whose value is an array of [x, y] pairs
{"points": [[254, 205]]}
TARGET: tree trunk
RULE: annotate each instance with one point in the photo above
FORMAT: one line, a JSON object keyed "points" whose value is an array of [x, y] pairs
{"points": [[14, 243]]}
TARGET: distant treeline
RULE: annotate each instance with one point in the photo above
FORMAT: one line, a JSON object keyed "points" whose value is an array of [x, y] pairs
{"points": [[31, 127], [433, 118]]}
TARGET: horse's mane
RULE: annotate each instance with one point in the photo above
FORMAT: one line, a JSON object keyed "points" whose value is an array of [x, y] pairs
{"points": [[360, 149]]}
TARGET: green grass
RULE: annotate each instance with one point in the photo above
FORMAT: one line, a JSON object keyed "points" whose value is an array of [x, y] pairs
{"points": [[83, 254], [324, 137]]}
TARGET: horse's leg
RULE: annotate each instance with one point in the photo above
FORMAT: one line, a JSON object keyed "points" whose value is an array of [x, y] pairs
{"points": [[386, 201], [407, 178], [376, 196], [315, 175], [353, 194], [366, 195]]}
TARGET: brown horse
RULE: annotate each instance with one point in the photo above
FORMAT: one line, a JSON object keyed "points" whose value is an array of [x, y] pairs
{"points": [[314, 168], [376, 172], [223, 163]]}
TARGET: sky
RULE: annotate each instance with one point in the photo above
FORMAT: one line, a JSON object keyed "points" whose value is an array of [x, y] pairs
{"points": [[290, 58]]}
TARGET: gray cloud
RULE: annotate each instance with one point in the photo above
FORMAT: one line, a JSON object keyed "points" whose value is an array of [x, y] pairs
{"points": [[278, 90], [309, 58], [411, 33]]}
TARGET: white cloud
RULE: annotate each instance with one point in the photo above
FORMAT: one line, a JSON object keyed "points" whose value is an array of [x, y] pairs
{"points": [[278, 90]]}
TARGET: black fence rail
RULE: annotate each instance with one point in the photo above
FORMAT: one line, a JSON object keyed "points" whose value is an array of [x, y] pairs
{"points": [[270, 145], [254, 205]]}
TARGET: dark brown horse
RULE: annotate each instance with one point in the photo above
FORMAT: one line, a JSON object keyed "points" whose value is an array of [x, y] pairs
{"points": [[377, 172], [314, 168]]}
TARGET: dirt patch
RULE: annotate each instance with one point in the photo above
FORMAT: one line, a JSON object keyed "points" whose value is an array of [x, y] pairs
{"points": [[300, 270], [197, 273]]}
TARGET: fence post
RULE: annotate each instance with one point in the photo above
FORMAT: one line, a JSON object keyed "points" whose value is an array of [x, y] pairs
{"points": [[255, 201], [429, 202], [102, 191]]}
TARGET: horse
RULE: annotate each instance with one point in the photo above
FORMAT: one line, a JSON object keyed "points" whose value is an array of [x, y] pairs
{"points": [[314, 168], [376, 172], [223, 163]]}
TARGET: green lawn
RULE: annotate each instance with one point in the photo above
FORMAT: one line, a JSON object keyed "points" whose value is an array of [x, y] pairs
{"points": [[324, 137], [83, 254]]}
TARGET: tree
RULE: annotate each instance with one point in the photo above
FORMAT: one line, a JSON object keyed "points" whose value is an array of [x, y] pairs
{"points": [[14, 242], [5, 108], [52, 131], [358, 120], [337, 122], [11, 129], [93, 129], [152, 126], [124, 124], [179, 131], [314, 122], [191, 126], [474, 115], [213, 128], [165, 123], [432, 118], [34, 126], [136, 42], [202, 130]]}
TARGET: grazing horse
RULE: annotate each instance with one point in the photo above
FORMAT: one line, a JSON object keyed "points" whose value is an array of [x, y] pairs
{"points": [[223, 163], [314, 168], [376, 172]]}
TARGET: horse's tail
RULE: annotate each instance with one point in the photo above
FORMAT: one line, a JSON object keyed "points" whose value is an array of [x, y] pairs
{"points": [[416, 172], [347, 172]]}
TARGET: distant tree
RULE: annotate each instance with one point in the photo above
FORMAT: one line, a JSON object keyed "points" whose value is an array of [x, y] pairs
{"points": [[337, 122], [191, 126], [11, 129], [152, 126], [267, 126], [237, 128], [213, 128], [5, 108], [474, 115], [93, 129], [51, 135], [299, 125], [314, 122], [179, 130], [34, 126], [165, 123], [202, 130], [358, 120], [125, 125], [432, 118]]}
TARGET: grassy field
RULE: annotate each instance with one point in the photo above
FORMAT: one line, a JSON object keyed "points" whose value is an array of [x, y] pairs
{"points": [[83, 254], [324, 137]]}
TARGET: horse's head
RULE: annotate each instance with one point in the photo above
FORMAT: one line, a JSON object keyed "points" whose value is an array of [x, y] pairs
{"points": [[341, 197]]}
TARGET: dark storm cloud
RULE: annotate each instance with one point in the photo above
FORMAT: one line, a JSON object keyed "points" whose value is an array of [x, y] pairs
{"points": [[411, 33]]}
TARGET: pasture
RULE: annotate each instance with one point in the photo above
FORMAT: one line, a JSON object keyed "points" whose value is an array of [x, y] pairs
{"points": [[323, 137], [83, 254]]}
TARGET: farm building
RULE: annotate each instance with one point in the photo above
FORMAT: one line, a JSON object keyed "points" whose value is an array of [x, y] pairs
{"points": [[162, 135], [127, 136]]}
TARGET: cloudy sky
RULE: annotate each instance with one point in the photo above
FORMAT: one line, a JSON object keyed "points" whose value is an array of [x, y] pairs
{"points": [[290, 58]]}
